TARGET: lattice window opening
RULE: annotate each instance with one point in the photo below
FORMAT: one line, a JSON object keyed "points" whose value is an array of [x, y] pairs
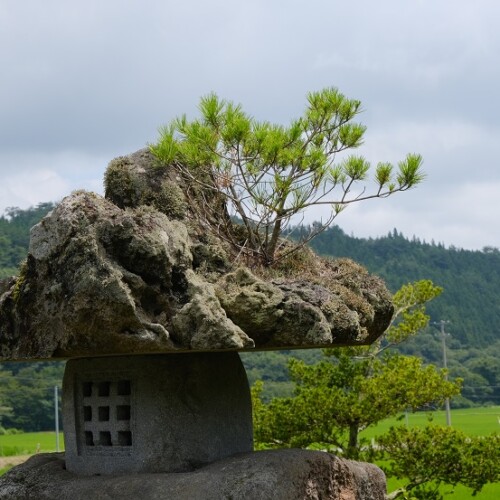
{"points": [[107, 413]]}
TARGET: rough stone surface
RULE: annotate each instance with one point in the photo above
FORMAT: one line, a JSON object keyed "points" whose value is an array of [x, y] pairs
{"points": [[265, 475], [155, 413], [138, 273]]}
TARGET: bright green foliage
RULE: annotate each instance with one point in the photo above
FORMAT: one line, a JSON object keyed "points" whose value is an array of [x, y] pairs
{"points": [[337, 398], [266, 173], [429, 456], [409, 315], [353, 388]]}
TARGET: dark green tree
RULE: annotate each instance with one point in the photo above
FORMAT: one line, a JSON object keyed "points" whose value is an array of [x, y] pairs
{"points": [[28, 390]]}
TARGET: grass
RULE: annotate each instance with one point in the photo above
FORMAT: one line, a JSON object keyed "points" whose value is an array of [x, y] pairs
{"points": [[489, 491], [473, 421], [29, 443]]}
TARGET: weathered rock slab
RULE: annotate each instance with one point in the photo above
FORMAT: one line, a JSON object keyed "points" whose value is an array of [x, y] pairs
{"points": [[265, 475], [134, 273]]}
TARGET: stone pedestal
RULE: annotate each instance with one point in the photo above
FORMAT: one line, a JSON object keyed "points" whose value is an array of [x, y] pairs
{"points": [[175, 426], [262, 475], [155, 413]]}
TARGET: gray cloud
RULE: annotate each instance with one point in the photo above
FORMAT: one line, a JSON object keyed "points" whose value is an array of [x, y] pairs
{"points": [[83, 82]]}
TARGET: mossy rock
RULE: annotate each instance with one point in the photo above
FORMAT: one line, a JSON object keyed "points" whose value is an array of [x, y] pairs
{"points": [[134, 181]]}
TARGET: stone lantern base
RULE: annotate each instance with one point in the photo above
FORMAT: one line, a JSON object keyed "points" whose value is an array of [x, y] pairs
{"points": [[155, 413], [175, 426], [261, 475]]}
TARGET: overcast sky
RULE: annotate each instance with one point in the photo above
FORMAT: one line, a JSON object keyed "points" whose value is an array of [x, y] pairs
{"points": [[84, 81]]}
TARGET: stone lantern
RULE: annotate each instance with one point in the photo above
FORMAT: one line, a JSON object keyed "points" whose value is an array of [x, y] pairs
{"points": [[151, 310]]}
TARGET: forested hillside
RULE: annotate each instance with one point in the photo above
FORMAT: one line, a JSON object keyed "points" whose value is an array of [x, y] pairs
{"points": [[15, 226]]}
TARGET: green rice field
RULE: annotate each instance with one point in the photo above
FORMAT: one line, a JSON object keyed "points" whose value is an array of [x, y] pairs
{"points": [[473, 421], [29, 443]]}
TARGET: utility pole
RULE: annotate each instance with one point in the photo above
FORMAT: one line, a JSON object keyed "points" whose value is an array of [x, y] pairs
{"points": [[445, 366], [56, 414]]}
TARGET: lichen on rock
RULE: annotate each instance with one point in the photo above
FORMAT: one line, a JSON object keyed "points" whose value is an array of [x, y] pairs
{"points": [[139, 272]]}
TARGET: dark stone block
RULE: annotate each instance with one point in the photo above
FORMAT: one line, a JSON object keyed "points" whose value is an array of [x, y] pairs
{"points": [[155, 413]]}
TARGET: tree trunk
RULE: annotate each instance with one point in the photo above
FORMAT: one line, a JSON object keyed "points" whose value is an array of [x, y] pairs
{"points": [[353, 446]]}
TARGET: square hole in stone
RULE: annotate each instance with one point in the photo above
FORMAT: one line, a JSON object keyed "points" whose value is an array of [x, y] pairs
{"points": [[103, 412], [89, 438], [105, 438], [103, 389], [123, 412], [123, 388], [87, 389], [87, 413], [124, 438]]}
